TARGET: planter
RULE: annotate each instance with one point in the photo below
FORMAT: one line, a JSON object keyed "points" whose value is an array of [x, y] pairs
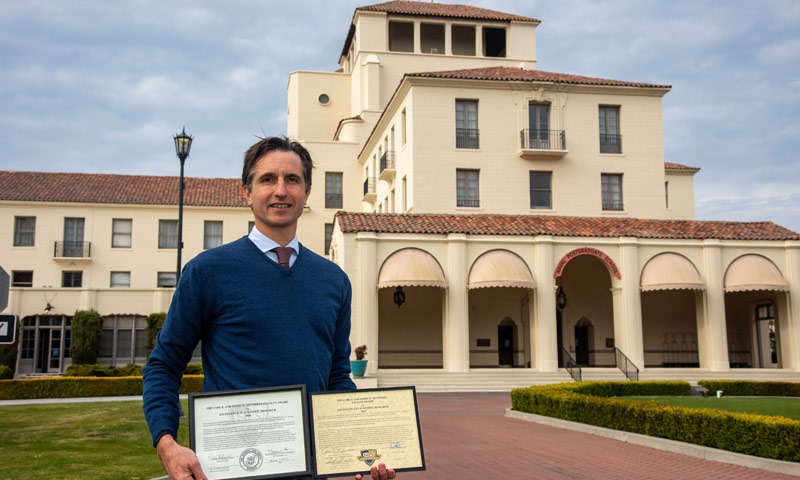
{"points": [[358, 367]]}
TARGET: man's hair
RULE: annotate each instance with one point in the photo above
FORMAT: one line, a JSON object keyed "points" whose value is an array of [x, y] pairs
{"points": [[269, 144]]}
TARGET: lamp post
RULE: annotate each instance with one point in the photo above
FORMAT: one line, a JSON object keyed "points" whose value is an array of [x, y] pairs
{"points": [[183, 143]]}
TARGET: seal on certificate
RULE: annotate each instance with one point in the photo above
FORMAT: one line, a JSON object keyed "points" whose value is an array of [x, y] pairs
{"points": [[251, 459], [369, 456]]}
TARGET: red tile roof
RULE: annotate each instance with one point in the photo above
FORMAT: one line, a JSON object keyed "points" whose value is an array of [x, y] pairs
{"points": [[118, 189], [678, 166], [518, 74], [444, 10], [560, 226]]}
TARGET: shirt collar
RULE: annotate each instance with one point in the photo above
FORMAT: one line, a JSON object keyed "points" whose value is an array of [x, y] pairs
{"points": [[265, 244]]}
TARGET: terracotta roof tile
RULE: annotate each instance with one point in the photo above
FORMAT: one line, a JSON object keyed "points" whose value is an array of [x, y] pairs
{"points": [[678, 166], [444, 10], [118, 189], [523, 75], [560, 226]]}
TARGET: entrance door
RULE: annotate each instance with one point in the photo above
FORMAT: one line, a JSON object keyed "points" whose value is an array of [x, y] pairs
{"points": [[55, 352], [42, 355], [505, 342], [582, 345], [539, 123], [73, 237], [765, 336]]}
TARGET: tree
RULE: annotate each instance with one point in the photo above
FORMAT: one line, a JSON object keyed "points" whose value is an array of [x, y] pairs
{"points": [[155, 322], [87, 328]]}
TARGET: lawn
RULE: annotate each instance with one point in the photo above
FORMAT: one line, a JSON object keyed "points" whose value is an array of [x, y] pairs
{"points": [[778, 406], [85, 441]]}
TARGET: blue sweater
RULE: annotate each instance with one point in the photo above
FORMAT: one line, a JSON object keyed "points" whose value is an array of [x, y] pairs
{"points": [[260, 324]]}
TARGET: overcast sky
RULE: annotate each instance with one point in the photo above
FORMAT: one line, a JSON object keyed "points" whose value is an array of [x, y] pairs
{"points": [[101, 86]]}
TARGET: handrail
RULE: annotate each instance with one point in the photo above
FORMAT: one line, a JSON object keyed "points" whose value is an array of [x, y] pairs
{"points": [[627, 367], [571, 365]]}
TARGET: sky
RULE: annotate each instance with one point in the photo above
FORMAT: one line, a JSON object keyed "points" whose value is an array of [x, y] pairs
{"points": [[102, 86]]}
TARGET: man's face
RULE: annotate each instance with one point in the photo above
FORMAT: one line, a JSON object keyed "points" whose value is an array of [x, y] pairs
{"points": [[278, 194]]}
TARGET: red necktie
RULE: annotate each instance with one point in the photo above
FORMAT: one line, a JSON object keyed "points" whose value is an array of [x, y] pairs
{"points": [[284, 253]]}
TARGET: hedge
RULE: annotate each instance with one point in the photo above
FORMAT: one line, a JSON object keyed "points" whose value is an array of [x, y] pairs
{"points": [[71, 387], [129, 370], [591, 403], [749, 388]]}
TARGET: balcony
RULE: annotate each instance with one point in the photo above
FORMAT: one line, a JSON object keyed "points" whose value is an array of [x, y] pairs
{"points": [[467, 138], [612, 207], [535, 143], [72, 250], [369, 189], [387, 170], [610, 143]]}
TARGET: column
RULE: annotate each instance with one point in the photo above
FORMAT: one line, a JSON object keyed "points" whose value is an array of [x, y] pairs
{"points": [[448, 39], [700, 304], [789, 310], [632, 344], [364, 330], [715, 336], [455, 323], [544, 337]]}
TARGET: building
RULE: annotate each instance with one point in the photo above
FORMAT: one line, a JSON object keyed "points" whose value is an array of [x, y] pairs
{"points": [[489, 214]]}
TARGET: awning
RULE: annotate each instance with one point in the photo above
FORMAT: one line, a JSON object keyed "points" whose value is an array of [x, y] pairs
{"points": [[670, 271], [411, 267], [500, 268], [754, 272]]}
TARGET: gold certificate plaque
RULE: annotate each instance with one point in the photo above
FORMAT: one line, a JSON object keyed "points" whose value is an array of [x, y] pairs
{"points": [[354, 430]]}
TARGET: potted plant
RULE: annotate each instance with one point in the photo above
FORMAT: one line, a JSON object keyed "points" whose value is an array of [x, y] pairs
{"points": [[359, 365]]}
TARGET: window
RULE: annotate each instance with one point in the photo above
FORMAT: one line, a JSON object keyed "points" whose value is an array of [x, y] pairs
{"points": [[401, 37], [72, 279], [539, 126], [250, 226], [611, 185], [467, 124], [140, 349], [121, 233], [120, 279], [541, 189], [403, 127], [432, 38], [24, 231], [212, 234], [106, 343], [328, 234], [333, 190], [167, 234], [166, 280], [73, 237], [610, 139], [666, 193], [467, 192], [27, 343], [22, 278], [463, 40], [124, 337], [494, 42]]}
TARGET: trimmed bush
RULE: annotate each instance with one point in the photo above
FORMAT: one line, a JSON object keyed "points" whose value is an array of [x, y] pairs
{"points": [[592, 403], [87, 328], [155, 322], [93, 370], [748, 388], [72, 387], [194, 369], [6, 372]]}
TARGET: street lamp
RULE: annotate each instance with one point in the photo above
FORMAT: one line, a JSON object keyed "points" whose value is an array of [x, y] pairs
{"points": [[183, 143]]}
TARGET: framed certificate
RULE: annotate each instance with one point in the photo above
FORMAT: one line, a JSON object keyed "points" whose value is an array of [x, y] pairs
{"points": [[255, 434], [353, 430]]}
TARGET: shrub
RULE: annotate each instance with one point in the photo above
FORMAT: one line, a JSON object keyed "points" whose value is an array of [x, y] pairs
{"points": [[591, 403], [155, 322], [71, 387], [87, 328], [6, 372], [93, 370], [194, 369], [747, 388]]}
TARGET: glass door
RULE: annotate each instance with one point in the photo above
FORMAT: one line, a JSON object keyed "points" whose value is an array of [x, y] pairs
{"points": [[55, 352], [73, 237]]}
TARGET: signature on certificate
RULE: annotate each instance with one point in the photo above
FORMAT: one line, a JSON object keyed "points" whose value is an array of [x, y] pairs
{"points": [[395, 445]]}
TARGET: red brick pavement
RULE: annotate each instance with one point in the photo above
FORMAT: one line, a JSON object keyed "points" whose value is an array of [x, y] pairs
{"points": [[466, 436]]}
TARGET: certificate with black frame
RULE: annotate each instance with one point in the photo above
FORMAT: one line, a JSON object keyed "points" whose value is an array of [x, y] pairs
{"points": [[259, 433], [353, 430]]}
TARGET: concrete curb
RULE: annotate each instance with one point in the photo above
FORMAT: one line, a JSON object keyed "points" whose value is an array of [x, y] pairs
{"points": [[697, 451], [43, 401]]}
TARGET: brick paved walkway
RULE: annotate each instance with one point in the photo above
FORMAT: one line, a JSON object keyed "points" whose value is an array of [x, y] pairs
{"points": [[466, 436]]}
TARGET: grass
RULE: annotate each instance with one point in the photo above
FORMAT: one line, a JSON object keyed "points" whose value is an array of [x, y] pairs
{"points": [[776, 406], [85, 441]]}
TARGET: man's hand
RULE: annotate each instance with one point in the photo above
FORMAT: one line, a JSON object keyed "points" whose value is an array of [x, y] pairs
{"points": [[180, 462], [380, 473]]}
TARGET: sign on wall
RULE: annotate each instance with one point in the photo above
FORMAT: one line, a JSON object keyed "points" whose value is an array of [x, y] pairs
{"points": [[3, 289], [8, 329]]}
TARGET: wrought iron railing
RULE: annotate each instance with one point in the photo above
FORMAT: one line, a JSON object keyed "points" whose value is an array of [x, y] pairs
{"points": [[613, 206], [467, 138], [627, 367], [610, 143], [467, 202], [535, 139], [73, 249], [571, 365], [369, 185], [387, 161]]}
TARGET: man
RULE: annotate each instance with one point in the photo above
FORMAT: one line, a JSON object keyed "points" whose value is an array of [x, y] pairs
{"points": [[258, 304]]}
